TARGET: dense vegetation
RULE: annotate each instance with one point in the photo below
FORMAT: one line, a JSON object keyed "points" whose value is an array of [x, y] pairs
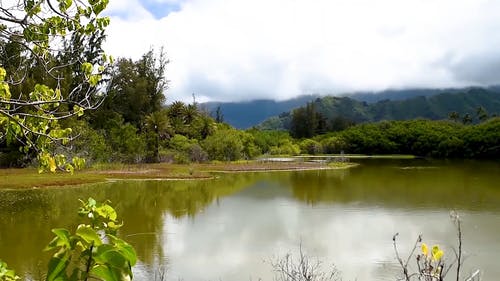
{"points": [[132, 125], [444, 139]]}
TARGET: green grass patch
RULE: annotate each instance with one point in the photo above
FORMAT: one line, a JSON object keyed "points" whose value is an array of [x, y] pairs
{"points": [[30, 178]]}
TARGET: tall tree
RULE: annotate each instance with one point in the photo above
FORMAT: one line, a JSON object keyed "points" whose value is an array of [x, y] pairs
{"points": [[135, 91]]}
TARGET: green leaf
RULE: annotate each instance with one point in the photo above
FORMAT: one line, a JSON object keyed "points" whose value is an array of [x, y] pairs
{"points": [[107, 212], [104, 273], [113, 258], [78, 110], [125, 249], [91, 202], [88, 234], [57, 267], [87, 68], [62, 239]]}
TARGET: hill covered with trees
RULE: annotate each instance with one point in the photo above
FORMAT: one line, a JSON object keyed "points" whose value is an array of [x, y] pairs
{"points": [[243, 115], [337, 113]]}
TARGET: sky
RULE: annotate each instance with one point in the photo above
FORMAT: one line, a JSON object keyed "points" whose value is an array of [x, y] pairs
{"points": [[235, 50]]}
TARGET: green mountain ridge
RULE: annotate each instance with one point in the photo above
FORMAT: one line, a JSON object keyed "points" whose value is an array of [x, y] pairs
{"points": [[433, 107], [246, 114]]}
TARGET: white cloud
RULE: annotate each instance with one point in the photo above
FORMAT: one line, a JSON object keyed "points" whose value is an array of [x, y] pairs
{"points": [[241, 49], [131, 10]]}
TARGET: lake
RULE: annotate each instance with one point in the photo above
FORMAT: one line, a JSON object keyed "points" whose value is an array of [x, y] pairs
{"points": [[236, 226]]}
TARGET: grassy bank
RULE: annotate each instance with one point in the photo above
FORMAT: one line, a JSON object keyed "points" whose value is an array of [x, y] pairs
{"points": [[29, 178]]}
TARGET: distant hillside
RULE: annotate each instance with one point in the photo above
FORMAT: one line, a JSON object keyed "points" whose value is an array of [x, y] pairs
{"points": [[372, 97], [429, 107], [246, 114], [243, 115]]}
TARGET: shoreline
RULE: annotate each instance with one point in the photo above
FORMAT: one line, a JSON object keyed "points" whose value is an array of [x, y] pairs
{"points": [[29, 179]]}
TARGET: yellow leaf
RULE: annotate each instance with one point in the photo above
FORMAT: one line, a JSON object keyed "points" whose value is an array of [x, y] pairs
{"points": [[52, 164], [437, 254], [425, 249]]}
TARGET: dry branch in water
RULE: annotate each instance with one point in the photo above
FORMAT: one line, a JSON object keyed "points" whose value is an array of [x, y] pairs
{"points": [[303, 269]]}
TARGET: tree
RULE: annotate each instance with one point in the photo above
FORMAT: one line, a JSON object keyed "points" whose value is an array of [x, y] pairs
{"points": [[219, 117], [37, 31], [467, 119], [136, 89], [454, 116], [157, 123], [481, 113]]}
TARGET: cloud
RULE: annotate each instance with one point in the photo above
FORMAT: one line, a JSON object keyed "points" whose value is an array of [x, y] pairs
{"points": [[241, 49]]}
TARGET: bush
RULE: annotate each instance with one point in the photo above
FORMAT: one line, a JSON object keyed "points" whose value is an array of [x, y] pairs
{"points": [[310, 146], [224, 145]]}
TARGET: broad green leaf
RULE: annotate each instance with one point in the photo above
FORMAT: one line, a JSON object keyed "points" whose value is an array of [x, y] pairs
{"points": [[104, 273], [107, 212], [125, 249], [57, 268], [88, 234], [62, 239], [113, 258]]}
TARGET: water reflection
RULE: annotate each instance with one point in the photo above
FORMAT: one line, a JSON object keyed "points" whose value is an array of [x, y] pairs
{"points": [[230, 228]]}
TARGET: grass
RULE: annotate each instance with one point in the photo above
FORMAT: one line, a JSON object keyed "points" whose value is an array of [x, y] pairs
{"points": [[30, 178]]}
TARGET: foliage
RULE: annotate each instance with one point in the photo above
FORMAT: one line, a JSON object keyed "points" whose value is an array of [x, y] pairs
{"points": [[128, 146], [333, 144], [135, 91], [422, 138], [309, 146], [93, 251], [224, 145], [266, 140], [7, 274], [285, 147], [34, 95], [91, 145]]}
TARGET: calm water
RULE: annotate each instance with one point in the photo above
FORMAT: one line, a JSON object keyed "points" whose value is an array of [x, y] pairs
{"points": [[232, 228]]}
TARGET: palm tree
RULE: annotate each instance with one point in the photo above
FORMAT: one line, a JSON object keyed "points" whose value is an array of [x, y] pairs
{"points": [[158, 123], [190, 113]]}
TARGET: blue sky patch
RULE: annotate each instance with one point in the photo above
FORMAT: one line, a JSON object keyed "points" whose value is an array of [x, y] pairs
{"points": [[160, 10]]}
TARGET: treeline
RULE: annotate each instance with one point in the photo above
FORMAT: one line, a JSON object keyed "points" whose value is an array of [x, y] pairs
{"points": [[442, 139], [133, 125]]}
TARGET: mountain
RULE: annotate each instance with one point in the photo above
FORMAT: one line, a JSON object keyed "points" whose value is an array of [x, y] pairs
{"points": [[246, 114], [434, 107]]}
